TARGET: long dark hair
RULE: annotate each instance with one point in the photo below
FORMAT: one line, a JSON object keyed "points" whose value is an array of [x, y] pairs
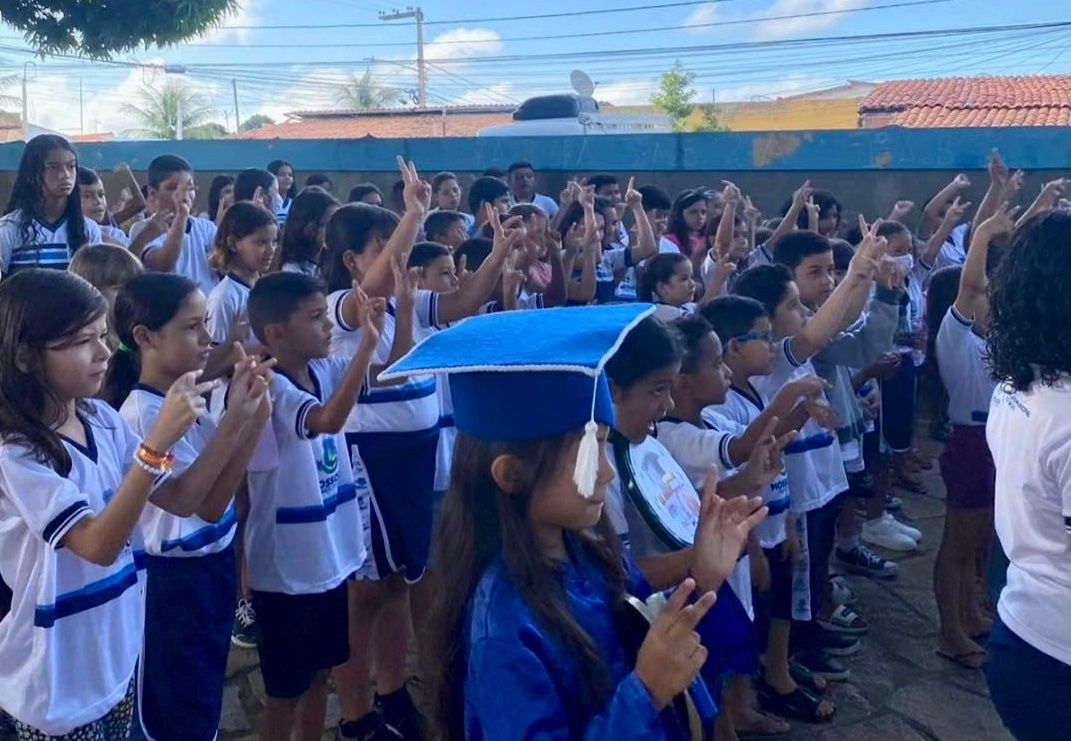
{"points": [[273, 167], [27, 197], [349, 231], [215, 193], [479, 523], [677, 226], [39, 307], [301, 235], [150, 300]]}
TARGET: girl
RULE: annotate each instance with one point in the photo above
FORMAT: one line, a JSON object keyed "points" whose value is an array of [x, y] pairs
{"points": [[668, 283], [260, 186], [107, 268], [687, 219], [95, 203], [446, 196], [532, 578], [303, 237], [1029, 671], [395, 432], [537, 269], [242, 252], [43, 224], [220, 198], [190, 520], [285, 178], [365, 193], [74, 480]]}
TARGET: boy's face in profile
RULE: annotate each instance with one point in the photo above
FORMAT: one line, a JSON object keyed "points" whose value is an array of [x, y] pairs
{"points": [[755, 352], [814, 278], [307, 333], [790, 315]]}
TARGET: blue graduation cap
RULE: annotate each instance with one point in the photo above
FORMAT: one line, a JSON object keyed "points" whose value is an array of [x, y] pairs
{"points": [[529, 375]]}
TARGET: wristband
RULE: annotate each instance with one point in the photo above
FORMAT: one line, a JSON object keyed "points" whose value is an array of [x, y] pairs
{"points": [[152, 462]]}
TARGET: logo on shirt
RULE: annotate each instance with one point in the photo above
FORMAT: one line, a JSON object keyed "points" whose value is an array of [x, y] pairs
{"points": [[328, 463]]}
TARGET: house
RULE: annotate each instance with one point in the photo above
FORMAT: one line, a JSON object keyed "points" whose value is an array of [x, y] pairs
{"points": [[399, 123], [967, 102]]}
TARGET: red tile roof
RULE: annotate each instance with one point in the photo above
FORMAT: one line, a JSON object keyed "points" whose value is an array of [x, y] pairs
{"points": [[406, 124], [1043, 100]]}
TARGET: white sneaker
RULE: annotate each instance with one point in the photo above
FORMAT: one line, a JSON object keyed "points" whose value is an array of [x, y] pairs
{"points": [[886, 535], [915, 535]]}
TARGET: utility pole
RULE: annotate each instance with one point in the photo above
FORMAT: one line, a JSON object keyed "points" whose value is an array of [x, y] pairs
{"points": [[237, 118], [422, 74], [81, 108], [26, 102]]}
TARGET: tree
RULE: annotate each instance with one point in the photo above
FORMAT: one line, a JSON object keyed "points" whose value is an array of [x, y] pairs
{"points": [[160, 106], [210, 130], [6, 82], [675, 94], [363, 94], [256, 121], [84, 27]]}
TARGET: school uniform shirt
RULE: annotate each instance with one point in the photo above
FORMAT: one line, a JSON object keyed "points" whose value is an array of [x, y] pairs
{"points": [[113, 235], [408, 407], [614, 259], [522, 683], [192, 260], [961, 360], [666, 313], [813, 460], [69, 646], [915, 285], [225, 304], [761, 255], [46, 248], [166, 534], [305, 267], [303, 532], [1030, 436], [547, 204], [525, 302], [954, 250], [733, 417]]}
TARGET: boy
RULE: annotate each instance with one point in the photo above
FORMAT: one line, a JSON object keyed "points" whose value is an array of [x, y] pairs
{"points": [[486, 190], [446, 227], [522, 189], [302, 538], [180, 243], [508, 294]]}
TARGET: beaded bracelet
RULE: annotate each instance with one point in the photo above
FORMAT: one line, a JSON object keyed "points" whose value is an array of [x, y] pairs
{"points": [[151, 462]]}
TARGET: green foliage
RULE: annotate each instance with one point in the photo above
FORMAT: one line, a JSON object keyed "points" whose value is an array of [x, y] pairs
{"points": [[256, 121], [363, 94], [100, 28], [158, 110], [675, 94], [709, 119], [7, 100], [210, 130]]}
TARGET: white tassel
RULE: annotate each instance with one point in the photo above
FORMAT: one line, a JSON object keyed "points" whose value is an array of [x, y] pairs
{"points": [[587, 461]]}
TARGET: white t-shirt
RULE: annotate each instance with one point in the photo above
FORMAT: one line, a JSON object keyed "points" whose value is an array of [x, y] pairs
{"points": [[408, 407], [953, 251], [69, 646], [192, 260], [666, 313], [961, 359], [525, 302], [166, 534], [113, 235], [733, 417], [46, 248], [304, 531], [226, 303], [306, 267], [1030, 436], [813, 460]]}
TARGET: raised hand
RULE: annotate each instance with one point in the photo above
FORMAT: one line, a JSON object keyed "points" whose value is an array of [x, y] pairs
{"points": [[633, 197], [999, 224], [751, 213], [416, 193], [801, 194], [184, 404], [901, 209], [730, 192], [370, 311], [865, 261], [814, 211], [672, 655], [998, 171], [722, 532], [249, 383], [962, 182], [956, 211], [822, 414], [767, 461]]}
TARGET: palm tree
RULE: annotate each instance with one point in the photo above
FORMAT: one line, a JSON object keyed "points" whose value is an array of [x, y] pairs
{"points": [[160, 106], [9, 101], [363, 94]]}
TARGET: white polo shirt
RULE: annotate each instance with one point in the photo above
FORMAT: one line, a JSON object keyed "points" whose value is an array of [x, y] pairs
{"points": [[961, 359], [192, 260], [46, 248], [225, 304], [1030, 436], [69, 646]]}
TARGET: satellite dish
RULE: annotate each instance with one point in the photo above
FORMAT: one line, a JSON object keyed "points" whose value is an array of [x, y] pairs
{"points": [[582, 84]]}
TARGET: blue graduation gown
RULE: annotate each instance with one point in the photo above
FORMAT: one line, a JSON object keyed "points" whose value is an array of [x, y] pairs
{"points": [[521, 684]]}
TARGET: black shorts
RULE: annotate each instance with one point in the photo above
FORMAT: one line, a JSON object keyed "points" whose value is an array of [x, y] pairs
{"points": [[898, 407], [775, 604], [300, 635]]}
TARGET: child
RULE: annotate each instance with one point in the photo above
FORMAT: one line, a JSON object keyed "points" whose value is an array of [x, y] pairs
{"points": [[182, 245], [220, 198], [286, 182], [303, 238], [95, 204], [668, 283], [319, 180], [449, 228], [966, 463], [365, 193], [438, 272], [241, 252], [261, 186], [486, 190], [303, 537], [686, 221], [107, 268], [1029, 671], [74, 480], [43, 225], [446, 196], [522, 189], [536, 267], [531, 575], [657, 205], [190, 521]]}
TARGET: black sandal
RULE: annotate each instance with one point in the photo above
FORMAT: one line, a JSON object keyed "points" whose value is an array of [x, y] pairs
{"points": [[802, 675], [800, 705]]}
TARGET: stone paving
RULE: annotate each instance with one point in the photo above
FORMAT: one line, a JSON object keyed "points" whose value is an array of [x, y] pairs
{"points": [[899, 691]]}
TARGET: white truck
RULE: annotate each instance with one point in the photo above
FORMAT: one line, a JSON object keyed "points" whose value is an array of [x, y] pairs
{"points": [[573, 114]]}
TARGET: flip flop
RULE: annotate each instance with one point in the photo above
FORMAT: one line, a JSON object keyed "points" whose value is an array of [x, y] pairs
{"points": [[967, 660], [802, 704], [759, 733]]}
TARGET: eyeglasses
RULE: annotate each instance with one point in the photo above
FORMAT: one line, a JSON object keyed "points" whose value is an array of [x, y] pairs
{"points": [[766, 337]]}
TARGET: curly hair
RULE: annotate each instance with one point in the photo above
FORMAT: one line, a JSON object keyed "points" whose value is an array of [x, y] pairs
{"points": [[1030, 305]]}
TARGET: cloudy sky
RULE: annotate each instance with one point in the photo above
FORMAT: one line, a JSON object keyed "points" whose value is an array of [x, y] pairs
{"points": [[289, 55]]}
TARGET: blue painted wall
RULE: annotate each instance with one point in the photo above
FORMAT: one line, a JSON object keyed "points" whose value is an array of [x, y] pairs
{"points": [[843, 151]]}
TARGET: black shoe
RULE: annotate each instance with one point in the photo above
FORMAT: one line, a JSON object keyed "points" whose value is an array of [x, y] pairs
{"points": [[836, 644], [369, 728], [401, 715], [824, 665]]}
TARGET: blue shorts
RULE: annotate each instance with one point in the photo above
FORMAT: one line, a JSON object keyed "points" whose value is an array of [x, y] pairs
{"points": [[898, 408], [189, 608], [401, 474]]}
